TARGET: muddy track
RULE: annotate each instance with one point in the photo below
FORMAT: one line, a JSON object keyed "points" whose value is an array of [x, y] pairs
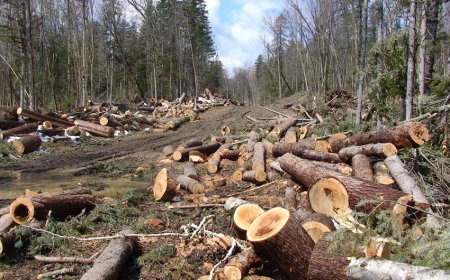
{"points": [[209, 123]]}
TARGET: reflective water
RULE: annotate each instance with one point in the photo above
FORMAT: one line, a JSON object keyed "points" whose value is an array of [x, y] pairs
{"points": [[13, 183]]}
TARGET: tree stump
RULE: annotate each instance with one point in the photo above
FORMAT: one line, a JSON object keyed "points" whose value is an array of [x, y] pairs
{"points": [[164, 188]]}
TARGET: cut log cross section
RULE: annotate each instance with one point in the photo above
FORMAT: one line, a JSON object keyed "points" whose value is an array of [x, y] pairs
{"points": [[164, 188], [243, 217]]}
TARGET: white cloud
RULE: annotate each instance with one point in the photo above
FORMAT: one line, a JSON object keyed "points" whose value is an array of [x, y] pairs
{"points": [[238, 38]]}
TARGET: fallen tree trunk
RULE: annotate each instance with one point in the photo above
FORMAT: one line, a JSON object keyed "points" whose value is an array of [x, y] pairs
{"points": [[280, 129], [276, 235], [190, 184], [407, 184], [243, 217], [27, 144], [328, 265], [379, 149], [362, 168], [280, 148], [333, 193], [24, 209], [403, 136], [40, 117], [23, 129], [205, 149], [95, 129], [7, 124], [258, 162], [109, 264]]}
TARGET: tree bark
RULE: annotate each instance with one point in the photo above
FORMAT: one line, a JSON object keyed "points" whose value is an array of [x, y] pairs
{"points": [[206, 149], [281, 128], [239, 265], [290, 200], [190, 184], [379, 149], [95, 129], [7, 124], [189, 171], [27, 144], [382, 176], [6, 222], [110, 263], [362, 167], [403, 136], [253, 176], [40, 117], [254, 137], [277, 235]]}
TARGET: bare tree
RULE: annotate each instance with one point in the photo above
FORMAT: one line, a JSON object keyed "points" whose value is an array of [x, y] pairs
{"points": [[411, 60]]}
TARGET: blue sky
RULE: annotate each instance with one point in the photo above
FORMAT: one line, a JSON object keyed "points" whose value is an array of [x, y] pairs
{"points": [[238, 28]]}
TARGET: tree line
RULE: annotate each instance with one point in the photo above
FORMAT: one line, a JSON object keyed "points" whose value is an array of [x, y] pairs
{"points": [[387, 52], [62, 53]]}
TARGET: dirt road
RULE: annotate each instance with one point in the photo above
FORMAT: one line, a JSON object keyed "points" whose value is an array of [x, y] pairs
{"points": [[208, 124]]}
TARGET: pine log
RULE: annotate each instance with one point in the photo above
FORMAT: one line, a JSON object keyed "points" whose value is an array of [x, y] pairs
{"points": [[165, 188], [291, 136], [318, 155], [40, 117], [73, 131], [277, 235], [239, 173], [189, 171], [408, 185], [331, 265], [230, 154], [192, 143], [403, 136], [190, 184], [229, 138], [315, 224], [332, 193], [7, 124], [377, 150], [110, 121], [27, 144], [337, 136], [254, 137], [23, 129], [290, 199], [258, 162], [268, 148], [167, 150], [239, 265], [173, 125], [362, 167], [280, 148], [243, 217], [206, 149], [197, 157], [111, 261], [232, 203], [4, 210], [95, 129], [303, 203], [253, 176], [6, 222], [322, 146], [213, 163], [338, 167], [381, 173], [47, 125], [24, 209], [280, 129]]}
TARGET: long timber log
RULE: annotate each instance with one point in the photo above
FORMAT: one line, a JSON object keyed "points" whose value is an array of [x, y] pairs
{"points": [[40, 117], [23, 129]]}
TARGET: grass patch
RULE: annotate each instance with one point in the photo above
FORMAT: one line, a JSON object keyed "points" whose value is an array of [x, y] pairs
{"points": [[156, 256]]}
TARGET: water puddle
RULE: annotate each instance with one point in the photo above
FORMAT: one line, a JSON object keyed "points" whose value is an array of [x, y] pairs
{"points": [[12, 183]]}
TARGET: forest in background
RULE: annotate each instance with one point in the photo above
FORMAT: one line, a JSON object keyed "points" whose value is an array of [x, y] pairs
{"points": [[59, 54]]}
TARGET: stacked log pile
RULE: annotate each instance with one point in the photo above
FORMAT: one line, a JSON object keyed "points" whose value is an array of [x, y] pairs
{"points": [[102, 120], [334, 177]]}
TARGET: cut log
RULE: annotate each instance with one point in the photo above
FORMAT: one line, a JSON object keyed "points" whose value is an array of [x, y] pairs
{"points": [[377, 150], [332, 193], [213, 163], [173, 125], [258, 161], [239, 265], [254, 138], [24, 209], [23, 129], [47, 124], [27, 144], [277, 235], [219, 181], [337, 136], [110, 121], [167, 150], [190, 184], [192, 143], [53, 132], [232, 203], [322, 146], [403, 136], [73, 131], [338, 167], [303, 203], [318, 155], [408, 185], [40, 117], [315, 224], [253, 176], [229, 138], [280, 129], [243, 217], [280, 148], [230, 154], [382, 175], [331, 265], [6, 222], [197, 157], [291, 136], [268, 148], [95, 129], [111, 261], [362, 167], [189, 170], [164, 188], [206, 149], [290, 200], [7, 124], [238, 174]]}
